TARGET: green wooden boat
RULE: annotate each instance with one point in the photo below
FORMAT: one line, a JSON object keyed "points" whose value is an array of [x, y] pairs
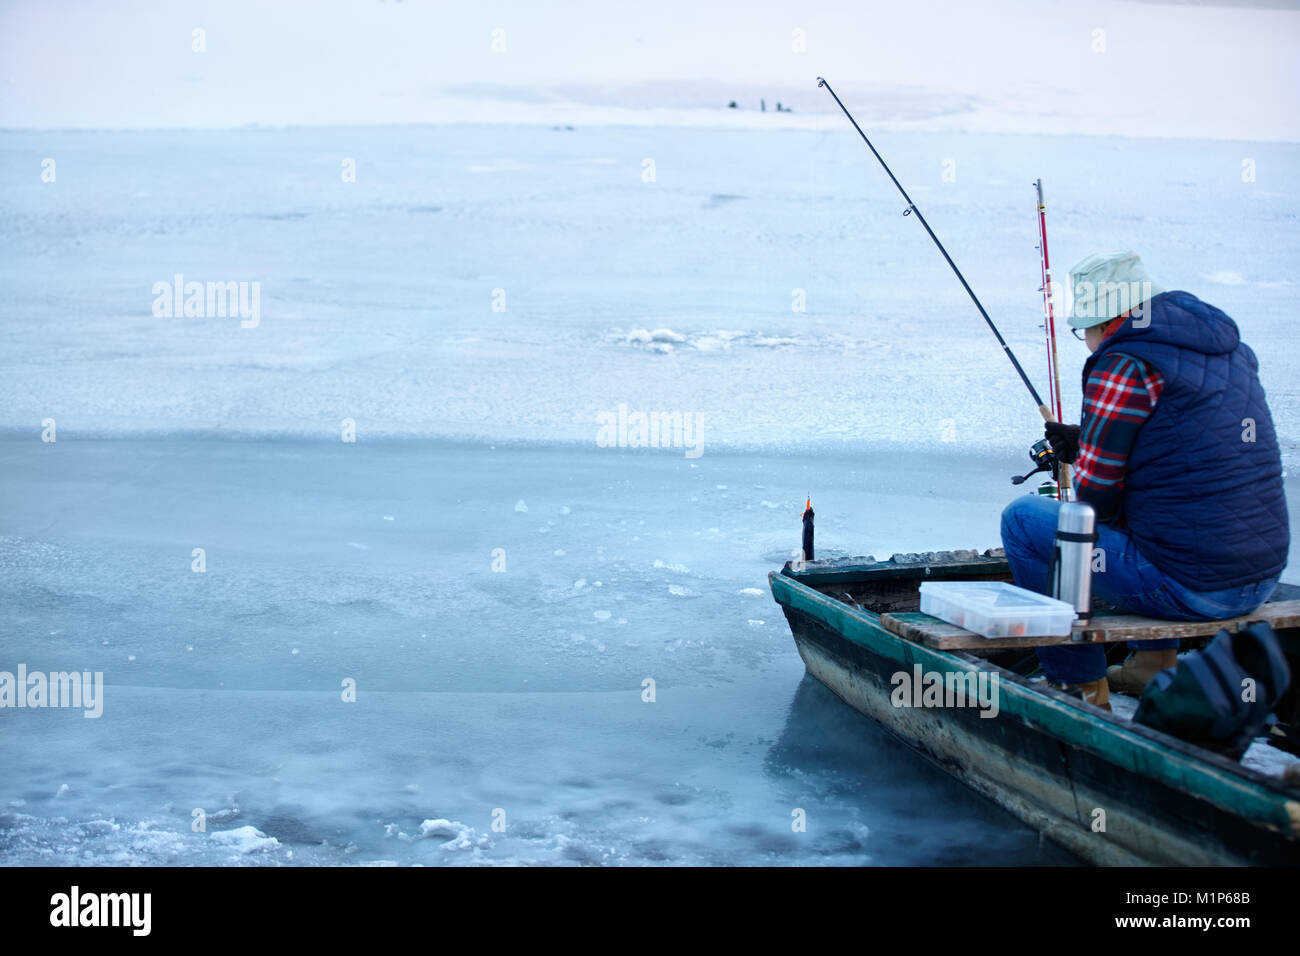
{"points": [[1111, 791]]}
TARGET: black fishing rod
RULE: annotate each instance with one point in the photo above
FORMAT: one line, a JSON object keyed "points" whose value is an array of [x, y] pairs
{"points": [[911, 208]]}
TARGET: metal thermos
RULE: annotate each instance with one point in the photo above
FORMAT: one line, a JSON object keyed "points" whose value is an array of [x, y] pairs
{"points": [[1072, 557]]}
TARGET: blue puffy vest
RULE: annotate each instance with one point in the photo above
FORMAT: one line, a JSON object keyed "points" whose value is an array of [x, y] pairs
{"points": [[1205, 505]]}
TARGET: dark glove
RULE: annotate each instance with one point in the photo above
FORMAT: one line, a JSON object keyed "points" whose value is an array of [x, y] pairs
{"points": [[1064, 440]]}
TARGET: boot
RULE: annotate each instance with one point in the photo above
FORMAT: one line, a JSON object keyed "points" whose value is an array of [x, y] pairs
{"points": [[1095, 692], [1135, 673]]}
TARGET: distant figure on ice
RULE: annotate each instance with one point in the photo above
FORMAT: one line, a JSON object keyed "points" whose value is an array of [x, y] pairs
{"points": [[1175, 450]]}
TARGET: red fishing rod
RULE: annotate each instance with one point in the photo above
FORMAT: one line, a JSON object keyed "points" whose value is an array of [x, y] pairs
{"points": [[1049, 318], [1065, 490]]}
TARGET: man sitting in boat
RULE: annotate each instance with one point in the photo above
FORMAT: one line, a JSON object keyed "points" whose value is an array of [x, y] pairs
{"points": [[1176, 452]]}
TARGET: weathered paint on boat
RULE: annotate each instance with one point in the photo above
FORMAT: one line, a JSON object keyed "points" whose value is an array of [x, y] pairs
{"points": [[1050, 759]]}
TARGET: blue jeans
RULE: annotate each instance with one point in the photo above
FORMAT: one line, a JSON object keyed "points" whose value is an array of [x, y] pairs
{"points": [[1129, 581]]}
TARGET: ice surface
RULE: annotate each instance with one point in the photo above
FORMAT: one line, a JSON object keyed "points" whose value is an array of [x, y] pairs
{"points": [[377, 297], [476, 690], [245, 839], [521, 689]]}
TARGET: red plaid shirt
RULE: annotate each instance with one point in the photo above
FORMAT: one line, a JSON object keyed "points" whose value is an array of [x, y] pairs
{"points": [[1118, 397]]}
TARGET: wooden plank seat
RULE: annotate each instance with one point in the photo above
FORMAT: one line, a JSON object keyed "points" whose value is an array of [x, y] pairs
{"points": [[1105, 626]]}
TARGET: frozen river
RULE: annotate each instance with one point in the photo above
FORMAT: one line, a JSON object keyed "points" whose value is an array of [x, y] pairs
{"points": [[474, 302], [477, 690]]}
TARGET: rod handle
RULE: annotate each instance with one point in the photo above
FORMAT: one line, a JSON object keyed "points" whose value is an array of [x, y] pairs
{"points": [[1066, 489], [1046, 413]]}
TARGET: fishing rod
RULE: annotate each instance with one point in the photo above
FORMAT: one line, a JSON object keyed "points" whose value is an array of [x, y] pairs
{"points": [[1064, 488], [1049, 315], [912, 208]]}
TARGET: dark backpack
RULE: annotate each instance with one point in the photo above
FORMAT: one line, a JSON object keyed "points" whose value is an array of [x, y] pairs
{"points": [[1202, 700]]}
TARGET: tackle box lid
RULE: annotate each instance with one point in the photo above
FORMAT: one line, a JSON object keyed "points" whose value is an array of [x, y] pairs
{"points": [[994, 596]]}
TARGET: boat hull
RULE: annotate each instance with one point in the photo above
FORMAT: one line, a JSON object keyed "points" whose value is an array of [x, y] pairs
{"points": [[1110, 792]]}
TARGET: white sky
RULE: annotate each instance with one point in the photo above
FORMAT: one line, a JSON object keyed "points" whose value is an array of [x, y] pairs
{"points": [[1167, 69]]}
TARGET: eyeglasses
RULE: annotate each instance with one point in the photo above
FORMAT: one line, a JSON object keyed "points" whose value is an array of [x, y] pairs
{"points": [[1080, 334]]}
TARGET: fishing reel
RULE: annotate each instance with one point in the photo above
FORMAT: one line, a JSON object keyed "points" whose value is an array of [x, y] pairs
{"points": [[1044, 459]]}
